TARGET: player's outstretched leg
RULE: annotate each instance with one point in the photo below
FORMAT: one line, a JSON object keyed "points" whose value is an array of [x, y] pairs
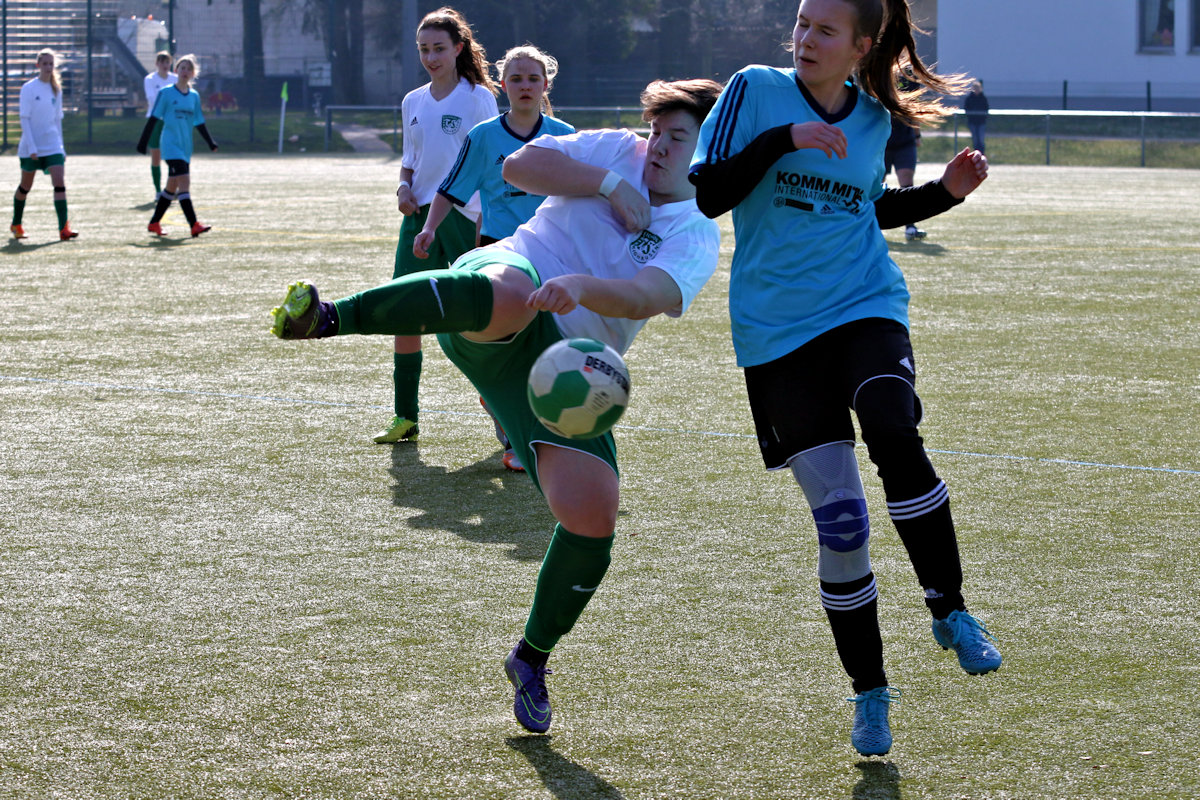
{"points": [[871, 735]]}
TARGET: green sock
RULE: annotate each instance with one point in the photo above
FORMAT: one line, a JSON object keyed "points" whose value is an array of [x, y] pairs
{"points": [[156, 174], [570, 574], [433, 301], [406, 376], [60, 208], [18, 211]]}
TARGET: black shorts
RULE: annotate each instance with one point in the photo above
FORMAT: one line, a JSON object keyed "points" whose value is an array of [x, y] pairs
{"points": [[176, 167], [804, 399], [902, 157]]}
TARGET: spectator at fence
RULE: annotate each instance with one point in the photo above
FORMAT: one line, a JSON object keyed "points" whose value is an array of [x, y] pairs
{"points": [[152, 84], [176, 114], [436, 118], [976, 106], [526, 75], [41, 146]]}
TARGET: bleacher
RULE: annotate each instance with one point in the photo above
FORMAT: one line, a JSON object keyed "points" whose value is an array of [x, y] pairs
{"points": [[31, 25]]}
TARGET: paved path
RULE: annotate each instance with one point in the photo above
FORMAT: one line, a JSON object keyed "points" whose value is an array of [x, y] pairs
{"points": [[364, 139]]}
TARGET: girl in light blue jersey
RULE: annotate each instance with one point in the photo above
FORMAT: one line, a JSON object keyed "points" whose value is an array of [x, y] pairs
{"points": [[526, 74], [819, 312], [177, 112]]}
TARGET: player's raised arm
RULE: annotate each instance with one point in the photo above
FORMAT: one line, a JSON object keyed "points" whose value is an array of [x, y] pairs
{"points": [[539, 170]]}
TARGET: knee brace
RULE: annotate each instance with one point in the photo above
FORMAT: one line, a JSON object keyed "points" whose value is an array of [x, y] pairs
{"points": [[829, 477]]}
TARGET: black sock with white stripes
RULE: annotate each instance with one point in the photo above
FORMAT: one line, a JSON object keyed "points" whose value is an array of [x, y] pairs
{"points": [[927, 530], [853, 611]]}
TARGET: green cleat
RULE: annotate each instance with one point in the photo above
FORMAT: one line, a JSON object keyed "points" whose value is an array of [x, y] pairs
{"points": [[398, 430], [303, 315]]}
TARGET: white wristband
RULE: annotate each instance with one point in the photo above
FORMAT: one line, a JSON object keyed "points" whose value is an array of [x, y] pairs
{"points": [[610, 182], [404, 185]]}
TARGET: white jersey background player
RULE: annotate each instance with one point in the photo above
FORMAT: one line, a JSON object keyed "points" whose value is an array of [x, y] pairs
{"points": [[152, 84]]}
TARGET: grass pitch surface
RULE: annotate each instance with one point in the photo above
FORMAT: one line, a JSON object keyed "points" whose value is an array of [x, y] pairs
{"points": [[212, 583]]}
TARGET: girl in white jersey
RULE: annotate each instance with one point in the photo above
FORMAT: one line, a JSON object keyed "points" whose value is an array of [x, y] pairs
{"points": [[152, 84], [819, 313], [41, 146], [619, 240], [436, 119], [526, 74]]}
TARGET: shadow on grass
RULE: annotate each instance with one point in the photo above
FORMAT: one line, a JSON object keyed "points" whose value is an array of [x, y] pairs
{"points": [[922, 247], [563, 778], [880, 781], [160, 242], [16, 246], [481, 502]]}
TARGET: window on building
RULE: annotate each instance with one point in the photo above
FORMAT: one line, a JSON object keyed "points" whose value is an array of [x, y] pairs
{"points": [[1156, 21]]}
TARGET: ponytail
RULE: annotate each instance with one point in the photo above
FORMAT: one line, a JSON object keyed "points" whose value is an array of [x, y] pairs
{"points": [[892, 65], [55, 78]]}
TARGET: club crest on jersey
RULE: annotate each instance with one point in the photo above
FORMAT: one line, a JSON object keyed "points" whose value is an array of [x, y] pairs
{"points": [[645, 246], [451, 124]]}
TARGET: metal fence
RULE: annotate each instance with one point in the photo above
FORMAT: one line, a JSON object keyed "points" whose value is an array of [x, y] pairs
{"points": [[1033, 128]]}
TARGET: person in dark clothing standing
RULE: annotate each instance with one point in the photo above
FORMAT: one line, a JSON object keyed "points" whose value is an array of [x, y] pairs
{"points": [[976, 106]]}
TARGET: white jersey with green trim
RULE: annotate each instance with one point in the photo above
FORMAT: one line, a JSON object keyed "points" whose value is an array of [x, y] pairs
{"points": [[582, 235], [434, 131], [41, 120]]}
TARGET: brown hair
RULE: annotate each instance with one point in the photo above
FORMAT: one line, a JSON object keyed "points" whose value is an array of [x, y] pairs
{"points": [[549, 67], [55, 78], [696, 96], [472, 60], [893, 60]]}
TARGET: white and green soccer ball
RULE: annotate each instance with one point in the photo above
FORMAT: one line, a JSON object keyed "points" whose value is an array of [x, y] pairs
{"points": [[578, 388]]}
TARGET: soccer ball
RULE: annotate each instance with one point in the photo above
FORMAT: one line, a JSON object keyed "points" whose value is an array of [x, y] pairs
{"points": [[578, 388]]}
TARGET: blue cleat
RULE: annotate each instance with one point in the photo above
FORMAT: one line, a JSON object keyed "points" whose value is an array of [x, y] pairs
{"points": [[970, 640], [532, 703], [871, 735]]}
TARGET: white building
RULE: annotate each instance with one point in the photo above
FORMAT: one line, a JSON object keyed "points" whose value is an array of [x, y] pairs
{"points": [[1111, 54]]}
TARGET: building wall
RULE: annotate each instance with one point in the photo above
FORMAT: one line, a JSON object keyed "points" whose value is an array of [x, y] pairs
{"points": [[1023, 50]]}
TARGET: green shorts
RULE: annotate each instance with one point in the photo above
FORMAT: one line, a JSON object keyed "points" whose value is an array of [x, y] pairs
{"points": [[500, 373], [455, 236], [44, 163], [156, 136]]}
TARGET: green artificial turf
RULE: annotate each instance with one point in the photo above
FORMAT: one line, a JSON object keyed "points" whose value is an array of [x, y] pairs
{"points": [[214, 585]]}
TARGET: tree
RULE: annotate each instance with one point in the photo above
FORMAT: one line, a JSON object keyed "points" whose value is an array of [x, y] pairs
{"points": [[252, 42], [340, 23]]}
